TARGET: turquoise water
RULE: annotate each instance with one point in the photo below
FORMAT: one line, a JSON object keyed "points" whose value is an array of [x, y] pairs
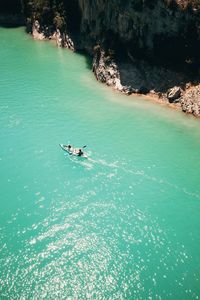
{"points": [[122, 224]]}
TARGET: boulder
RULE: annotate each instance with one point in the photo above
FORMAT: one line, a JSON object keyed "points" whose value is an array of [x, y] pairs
{"points": [[36, 31], [174, 93], [190, 102]]}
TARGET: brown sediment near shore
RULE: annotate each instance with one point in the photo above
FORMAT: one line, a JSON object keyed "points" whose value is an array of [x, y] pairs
{"points": [[154, 98], [179, 106]]}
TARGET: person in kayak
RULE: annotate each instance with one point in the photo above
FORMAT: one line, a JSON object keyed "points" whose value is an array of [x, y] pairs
{"points": [[70, 149], [80, 152]]}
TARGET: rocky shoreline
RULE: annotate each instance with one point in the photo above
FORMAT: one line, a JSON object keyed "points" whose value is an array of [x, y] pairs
{"points": [[138, 77], [134, 76], [138, 47]]}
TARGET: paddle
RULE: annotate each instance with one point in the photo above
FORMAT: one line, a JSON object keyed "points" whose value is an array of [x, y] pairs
{"points": [[84, 146]]}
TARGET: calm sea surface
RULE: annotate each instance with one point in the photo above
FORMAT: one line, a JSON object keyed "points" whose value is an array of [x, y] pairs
{"points": [[122, 224]]}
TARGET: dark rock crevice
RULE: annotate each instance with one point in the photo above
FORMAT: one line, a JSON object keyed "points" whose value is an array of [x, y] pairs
{"points": [[11, 13], [10, 6], [74, 16]]}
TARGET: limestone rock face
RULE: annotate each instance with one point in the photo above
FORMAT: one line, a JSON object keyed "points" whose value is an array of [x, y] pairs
{"points": [[191, 101], [105, 69], [36, 32], [155, 29]]}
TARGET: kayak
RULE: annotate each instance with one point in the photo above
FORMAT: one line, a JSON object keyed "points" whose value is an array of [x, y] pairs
{"points": [[72, 151]]}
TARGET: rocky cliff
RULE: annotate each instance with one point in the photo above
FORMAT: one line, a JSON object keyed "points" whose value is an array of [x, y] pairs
{"points": [[138, 46]]}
